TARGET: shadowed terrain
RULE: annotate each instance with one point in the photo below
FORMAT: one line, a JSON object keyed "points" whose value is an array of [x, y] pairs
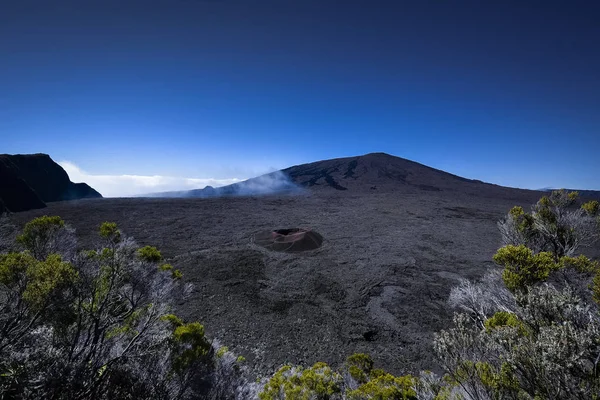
{"points": [[378, 284], [27, 181]]}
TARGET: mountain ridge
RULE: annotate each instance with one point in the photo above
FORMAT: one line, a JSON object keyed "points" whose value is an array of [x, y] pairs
{"points": [[28, 181]]}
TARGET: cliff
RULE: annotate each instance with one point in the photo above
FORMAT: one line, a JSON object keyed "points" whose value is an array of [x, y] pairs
{"points": [[28, 181]]}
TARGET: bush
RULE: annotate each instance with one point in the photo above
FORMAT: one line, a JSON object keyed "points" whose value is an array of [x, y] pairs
{"points": [[542, 341], [97, 323], [45, 235], [385, 386], [357, 381], [522, 268], [555, 224]]}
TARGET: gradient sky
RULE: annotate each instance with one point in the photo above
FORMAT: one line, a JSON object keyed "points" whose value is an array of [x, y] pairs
{"points": [[503, 91]]}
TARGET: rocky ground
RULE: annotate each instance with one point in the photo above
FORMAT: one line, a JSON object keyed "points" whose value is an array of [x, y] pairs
{"points": [[379, 283]]}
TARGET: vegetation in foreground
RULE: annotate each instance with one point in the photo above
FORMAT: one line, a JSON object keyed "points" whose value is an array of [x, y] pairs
{"points": [[99, 323]]}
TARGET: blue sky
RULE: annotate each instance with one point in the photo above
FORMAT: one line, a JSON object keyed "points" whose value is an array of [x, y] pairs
{"points": [[506, 92]]}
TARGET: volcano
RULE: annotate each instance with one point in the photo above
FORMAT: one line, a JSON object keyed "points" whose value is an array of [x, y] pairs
{"points": [[369, 173]]}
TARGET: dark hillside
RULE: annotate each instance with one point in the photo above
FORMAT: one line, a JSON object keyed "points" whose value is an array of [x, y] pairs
{"points": [[15, 194], [370, 173], [27, 181], [384, 172]]}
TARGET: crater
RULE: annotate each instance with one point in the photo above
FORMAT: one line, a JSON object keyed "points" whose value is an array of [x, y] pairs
{"points": [[289, 240]]}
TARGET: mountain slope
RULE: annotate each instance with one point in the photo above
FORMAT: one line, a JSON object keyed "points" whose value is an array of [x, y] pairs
{"points": [[374, 172], [27, 181], [372, 169]]}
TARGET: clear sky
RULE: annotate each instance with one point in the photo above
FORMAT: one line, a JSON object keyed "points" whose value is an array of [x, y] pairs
{"points": [[148, 94]]}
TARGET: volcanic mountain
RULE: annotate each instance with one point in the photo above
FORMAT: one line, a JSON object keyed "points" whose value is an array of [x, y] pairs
{"points": [[374, 172], [28, 181]]}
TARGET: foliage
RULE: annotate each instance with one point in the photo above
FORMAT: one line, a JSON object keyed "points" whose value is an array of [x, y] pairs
{"points": [[482, 299], [110, 232], [523, 268], [45, 235], [150, 254], [296, 383], [555, 224], [503, 319], [228, 379], [384, 387], [30, 291], [548, 348], [189, 345], [591, 207], [97, 323], [360, 366], [357, 380], [540, 338]]}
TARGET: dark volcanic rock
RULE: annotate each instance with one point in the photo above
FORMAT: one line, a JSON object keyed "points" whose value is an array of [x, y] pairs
{"points": [[15, 194], [382, 170], [27, 181]]}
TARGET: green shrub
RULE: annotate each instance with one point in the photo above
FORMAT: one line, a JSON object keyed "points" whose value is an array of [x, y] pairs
{"points": [[522, 268], [554, 224], [295, 383], [386, 387], [149, 254], [189, 346], [95, 327], [591, 207], [39, 234], [110, 232], [359, 366], [503, 319]]}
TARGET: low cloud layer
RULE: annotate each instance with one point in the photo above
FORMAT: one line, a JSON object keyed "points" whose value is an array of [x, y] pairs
{"points": [[135, 185]]}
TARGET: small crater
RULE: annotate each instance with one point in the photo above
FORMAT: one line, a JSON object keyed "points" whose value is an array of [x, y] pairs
{"points": [[289, 240]]}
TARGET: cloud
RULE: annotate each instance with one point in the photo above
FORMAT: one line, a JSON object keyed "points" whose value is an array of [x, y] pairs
{"points": [[134, 185]]}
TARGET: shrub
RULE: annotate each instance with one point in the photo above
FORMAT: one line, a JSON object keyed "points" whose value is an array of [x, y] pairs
{"points": [[95, 324], [359, 367], [358, 380], [45, 235], [503, 319], [386, 387], [228, 379], [482, 299], [543, 343], [555, 357], [296, 383], [110, 232], [554, 224], [523, 268], [149, 254], [591, 207]]}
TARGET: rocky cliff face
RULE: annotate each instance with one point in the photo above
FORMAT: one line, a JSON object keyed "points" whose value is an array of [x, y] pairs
{"points": [[28, 181]]}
